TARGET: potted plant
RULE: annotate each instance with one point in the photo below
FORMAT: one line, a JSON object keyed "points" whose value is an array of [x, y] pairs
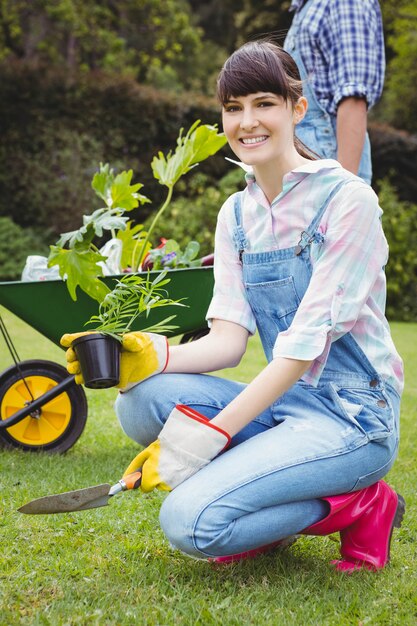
{"points": [[133, 296]]}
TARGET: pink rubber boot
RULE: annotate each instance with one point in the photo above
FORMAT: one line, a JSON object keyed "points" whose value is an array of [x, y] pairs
{"points": [[365, 519]]}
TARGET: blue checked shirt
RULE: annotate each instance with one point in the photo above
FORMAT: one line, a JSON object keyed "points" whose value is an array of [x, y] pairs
{"points": [[341, 43]]}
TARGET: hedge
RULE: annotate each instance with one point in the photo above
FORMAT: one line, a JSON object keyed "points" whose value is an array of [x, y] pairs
{"points": [[56, 131]]}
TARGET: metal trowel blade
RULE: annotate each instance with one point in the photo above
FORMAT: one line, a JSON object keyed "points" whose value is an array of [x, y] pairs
{"points": [[78, 500]]}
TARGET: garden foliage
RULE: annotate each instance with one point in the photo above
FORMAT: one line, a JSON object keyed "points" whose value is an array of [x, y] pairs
{"points": [[400, 225], [55, 131], [16, 244]]}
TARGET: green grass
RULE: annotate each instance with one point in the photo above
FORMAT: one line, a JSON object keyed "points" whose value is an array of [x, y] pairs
{"points": [[112, 566]]}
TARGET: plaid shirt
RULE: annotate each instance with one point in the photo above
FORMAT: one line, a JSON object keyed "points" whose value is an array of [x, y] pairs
{"points": [[347, 289], [341, 43]]}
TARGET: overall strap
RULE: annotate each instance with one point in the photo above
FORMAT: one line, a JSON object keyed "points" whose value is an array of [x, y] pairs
{"points": [[309, 235], [239, 237]]}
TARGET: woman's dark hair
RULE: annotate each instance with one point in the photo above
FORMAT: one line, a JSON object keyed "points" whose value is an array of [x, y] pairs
{"points": [[262, 66]]}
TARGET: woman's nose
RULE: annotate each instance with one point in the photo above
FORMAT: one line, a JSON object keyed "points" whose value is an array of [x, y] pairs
{"points": [[248, 120]]}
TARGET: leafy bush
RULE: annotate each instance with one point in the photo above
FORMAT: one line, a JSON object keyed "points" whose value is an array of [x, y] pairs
{"points": [[15, 245], [397, 105], [400, 225]]}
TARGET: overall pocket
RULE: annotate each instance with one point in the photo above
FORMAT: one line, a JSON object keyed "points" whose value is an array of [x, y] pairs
{"points": [[369, 410], [277, 298]]}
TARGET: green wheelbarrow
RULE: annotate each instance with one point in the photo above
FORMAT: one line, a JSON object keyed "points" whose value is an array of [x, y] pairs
{"points": [[41, 407]]}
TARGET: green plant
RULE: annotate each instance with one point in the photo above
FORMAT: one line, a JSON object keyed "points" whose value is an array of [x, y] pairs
{"points": [[170, 255], [200, 203], [198, 144], [132, 297], [76, 254]]}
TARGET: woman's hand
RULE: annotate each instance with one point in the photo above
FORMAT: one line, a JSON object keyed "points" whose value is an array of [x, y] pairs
{"points": [[143, 355], [187, 442]]}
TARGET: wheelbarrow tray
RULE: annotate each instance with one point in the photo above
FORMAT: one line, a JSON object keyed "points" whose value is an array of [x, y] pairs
{"points": [[49, 309]]}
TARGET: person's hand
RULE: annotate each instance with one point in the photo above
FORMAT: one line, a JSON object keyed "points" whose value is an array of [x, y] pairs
{"points": [[143, 355], [73, 366], [187, 442]]}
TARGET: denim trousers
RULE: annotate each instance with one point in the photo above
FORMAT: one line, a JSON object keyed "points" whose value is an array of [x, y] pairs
{"points": [[313, 442]]}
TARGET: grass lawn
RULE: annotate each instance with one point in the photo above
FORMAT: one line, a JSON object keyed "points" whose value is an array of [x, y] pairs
{"points": [[112, 566]]}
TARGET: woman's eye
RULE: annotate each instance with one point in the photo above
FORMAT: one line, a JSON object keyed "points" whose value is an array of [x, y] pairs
{"points": [[266, 104], [231, 108]]}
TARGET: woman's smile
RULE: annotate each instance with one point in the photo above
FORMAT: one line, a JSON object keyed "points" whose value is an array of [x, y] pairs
{"points": [[253, 141]]}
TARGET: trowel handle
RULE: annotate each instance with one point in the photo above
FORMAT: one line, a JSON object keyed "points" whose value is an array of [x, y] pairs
{"points": [[131, 481]]}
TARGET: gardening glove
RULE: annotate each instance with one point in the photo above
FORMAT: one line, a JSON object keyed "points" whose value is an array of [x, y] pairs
{"points": [[143, 355], [187, 442]]}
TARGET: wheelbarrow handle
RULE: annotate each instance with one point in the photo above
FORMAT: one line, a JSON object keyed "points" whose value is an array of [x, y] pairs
{"points": [[38, 402]]}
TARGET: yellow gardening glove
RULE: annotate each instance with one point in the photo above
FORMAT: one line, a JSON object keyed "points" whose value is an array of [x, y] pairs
{"points": [[73, 366], [142, 356], [148, 461], [187, 442]]}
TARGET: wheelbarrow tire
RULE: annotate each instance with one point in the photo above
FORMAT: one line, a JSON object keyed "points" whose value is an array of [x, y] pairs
{"points": [[57, 425]]}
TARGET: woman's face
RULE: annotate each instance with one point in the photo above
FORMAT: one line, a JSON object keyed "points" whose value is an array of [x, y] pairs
{"points": [[260, 127]]}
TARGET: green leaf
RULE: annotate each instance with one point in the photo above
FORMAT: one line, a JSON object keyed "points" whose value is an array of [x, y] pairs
{"points": [[192, 250], [207, 141], [124, 195], [80, 269], [170, 246], [93, 225], [198, 144], [102, 183], [131, 297], [104, 219], [132, 238]]}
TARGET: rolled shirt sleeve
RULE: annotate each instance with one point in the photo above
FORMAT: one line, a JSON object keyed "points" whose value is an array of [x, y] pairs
{"points": [[356, 53], [347, 267]]}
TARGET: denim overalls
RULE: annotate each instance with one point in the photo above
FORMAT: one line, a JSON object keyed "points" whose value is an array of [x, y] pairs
{"points": [[313, 441], [318, 129]]}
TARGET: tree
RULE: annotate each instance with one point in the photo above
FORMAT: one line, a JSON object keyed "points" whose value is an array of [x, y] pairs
{"points": [[151, 40], [401, 82], [230, 23]]}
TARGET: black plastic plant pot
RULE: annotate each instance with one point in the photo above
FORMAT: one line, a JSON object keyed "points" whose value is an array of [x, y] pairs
{"points": [[99, 358]]}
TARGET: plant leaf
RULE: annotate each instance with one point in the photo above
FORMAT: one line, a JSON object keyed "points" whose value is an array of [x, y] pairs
{"points": [[102, 182], [207, 141], [199, 143], [132, 237], [104, 219], [124, 195], [80, 269]]}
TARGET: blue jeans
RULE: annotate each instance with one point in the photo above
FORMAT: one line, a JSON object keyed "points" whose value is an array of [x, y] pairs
{"points": [[311, 443]]}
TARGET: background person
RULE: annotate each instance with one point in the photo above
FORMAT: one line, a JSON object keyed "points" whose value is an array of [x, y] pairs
{"points": [[338, 46]]}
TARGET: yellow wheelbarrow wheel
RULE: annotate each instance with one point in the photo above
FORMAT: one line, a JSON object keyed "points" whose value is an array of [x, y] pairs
{"points": [[57, 425]]}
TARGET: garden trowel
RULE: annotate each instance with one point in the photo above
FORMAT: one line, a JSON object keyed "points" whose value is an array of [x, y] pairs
{"points": [[81, 499]]}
